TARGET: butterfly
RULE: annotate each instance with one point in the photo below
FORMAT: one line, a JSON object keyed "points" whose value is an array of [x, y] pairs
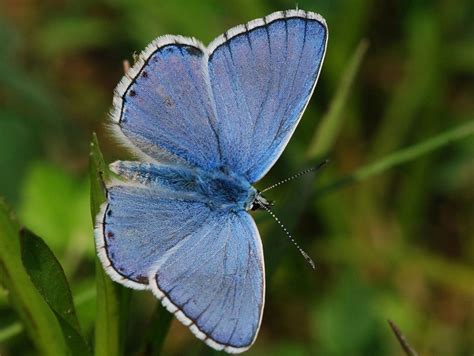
{"points": [[206, 124]]}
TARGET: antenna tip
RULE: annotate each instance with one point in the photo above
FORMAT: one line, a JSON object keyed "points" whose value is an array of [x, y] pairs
{"points": [[309, 260]]}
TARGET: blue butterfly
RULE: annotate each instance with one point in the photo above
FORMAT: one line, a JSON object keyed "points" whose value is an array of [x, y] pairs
{"points": [[207, 123]]}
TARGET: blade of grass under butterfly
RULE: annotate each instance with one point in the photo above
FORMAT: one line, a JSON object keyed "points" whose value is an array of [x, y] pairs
{"points": [[99, 172], [399, 157], [154, 338], [161, 320], [38, 319], [112, 299]]}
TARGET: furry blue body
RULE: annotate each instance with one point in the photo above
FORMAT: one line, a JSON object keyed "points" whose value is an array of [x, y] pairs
{"points": [[220, 190]]}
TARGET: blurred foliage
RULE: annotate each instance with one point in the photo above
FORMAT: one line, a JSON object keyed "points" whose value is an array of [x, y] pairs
{"points": [[397, 245], [38, 320]]}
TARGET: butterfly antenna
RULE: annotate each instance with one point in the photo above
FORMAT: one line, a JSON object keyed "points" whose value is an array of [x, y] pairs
{"points": [[297, 175], [305, 255]]}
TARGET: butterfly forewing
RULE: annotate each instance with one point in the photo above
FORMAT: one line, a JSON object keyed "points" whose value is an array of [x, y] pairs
{"points": [[164, 99], [262, 76]]}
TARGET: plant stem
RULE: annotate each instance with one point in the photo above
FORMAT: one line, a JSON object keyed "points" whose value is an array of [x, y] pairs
{"points": [[409, 351]]}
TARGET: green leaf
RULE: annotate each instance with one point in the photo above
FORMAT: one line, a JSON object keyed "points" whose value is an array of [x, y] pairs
{"points": [[40, 322], [112, 299], [48, 277]]}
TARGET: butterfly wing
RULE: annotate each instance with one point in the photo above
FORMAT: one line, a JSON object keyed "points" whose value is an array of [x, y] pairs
{"points": [[206, 266], [262, 75], [235, 103], [217, 287], [136, 227], [162, 105]]}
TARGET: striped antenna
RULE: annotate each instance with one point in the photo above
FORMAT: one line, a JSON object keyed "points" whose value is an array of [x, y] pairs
{"points": [[297, 175], [305, 255]]}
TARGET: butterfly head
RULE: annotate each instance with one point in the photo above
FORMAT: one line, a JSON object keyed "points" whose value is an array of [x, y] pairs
{"points": [[260, 202]]}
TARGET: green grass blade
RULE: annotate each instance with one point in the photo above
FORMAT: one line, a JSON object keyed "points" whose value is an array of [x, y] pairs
{"points": [[39, 321], [49, 279], [112, 303], [10, 331], [402, 156], [112, 299], [16, 328], [157, 330], [99, 172], [331, 122]]}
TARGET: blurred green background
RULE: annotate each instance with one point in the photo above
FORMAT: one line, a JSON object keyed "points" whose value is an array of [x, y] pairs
{"points": [[397, 245]]}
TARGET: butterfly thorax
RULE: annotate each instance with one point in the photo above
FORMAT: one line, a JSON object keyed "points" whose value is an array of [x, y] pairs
{"points": [[219, 190], [226, 191]]}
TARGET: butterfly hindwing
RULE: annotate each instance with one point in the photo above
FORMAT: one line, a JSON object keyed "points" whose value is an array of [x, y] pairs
{"points": [[137, 227], [205, 265], [215, 285]]}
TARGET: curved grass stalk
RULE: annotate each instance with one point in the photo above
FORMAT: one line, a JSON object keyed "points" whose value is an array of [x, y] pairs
{"points": [[403, 156]]}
